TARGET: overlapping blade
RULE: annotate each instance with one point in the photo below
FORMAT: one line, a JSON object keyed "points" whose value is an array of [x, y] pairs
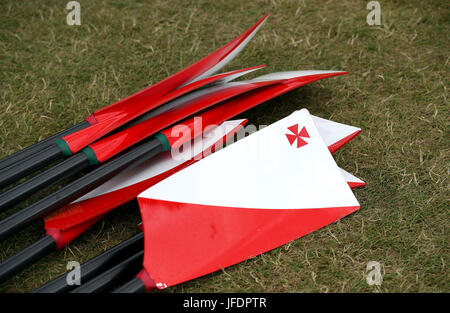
{"points": [[109, 118], [233, 205], [196, 101]]}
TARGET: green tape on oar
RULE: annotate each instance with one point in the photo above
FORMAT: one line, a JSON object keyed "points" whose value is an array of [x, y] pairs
{"points": [[164, 141], [91, 155], [65, 150]]}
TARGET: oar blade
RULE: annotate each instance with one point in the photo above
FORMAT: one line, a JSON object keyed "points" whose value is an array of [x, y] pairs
{"points": [[113, 116], [186, 106], [233, 206], [72, 220]]}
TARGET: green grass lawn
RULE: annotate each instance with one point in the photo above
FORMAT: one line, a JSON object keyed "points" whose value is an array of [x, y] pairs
{"points": [[53, 75]]}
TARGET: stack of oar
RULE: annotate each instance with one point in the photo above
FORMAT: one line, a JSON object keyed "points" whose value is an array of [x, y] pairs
{"points": [[125, 260], [133, 138]]}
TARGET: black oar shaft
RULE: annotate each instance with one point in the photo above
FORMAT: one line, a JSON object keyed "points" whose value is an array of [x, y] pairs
{"points": [[27, 166], [53, 152], [68, 167], [77, 188], [33, 149], [26, 257], [123, 270], [97, 265], [133, 286]]}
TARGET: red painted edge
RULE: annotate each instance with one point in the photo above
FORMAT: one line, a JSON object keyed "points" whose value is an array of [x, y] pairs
{"points": [[146, 279], [353, 185], [57, 236], [339, 144], [91, 119]]}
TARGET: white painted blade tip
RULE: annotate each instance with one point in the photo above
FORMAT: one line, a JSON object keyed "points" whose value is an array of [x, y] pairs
{"points": [[238, 74], [284, 75]]}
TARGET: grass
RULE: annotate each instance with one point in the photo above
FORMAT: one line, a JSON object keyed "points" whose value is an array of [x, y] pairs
{"points": [[53, 75]]}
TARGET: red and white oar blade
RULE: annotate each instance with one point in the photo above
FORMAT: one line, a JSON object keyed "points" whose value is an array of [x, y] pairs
{"points": [[128, 184], [208, 82], [277, 85], [335, 135], [73, 219], [109, 118], [201, 69], [78, 140], [352, 181], [192, 103], [230, 51], [253, 196], [86, 212]]}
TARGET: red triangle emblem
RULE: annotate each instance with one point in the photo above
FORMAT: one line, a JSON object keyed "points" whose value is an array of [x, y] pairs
{"points": [[297, 136], [301, 142], [304, 133], [294, 129], [291, 138]]}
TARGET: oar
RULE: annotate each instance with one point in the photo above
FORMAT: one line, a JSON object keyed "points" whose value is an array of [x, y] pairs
{"points": [[147, 149], [186, 106], [104, 278], [160, 117], [217, 219], [111, 117], [334, 135], [39, 146], [96, 203], [123, 270], [97, 265], [72, 220], [52, 151]]}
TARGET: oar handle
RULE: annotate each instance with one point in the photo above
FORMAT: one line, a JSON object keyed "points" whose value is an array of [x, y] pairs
{"points": [[68, 167], [77, 188], [26, 257], [29, 165], [97, 265], [35, 148], [126, 268], [133, 286]]}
